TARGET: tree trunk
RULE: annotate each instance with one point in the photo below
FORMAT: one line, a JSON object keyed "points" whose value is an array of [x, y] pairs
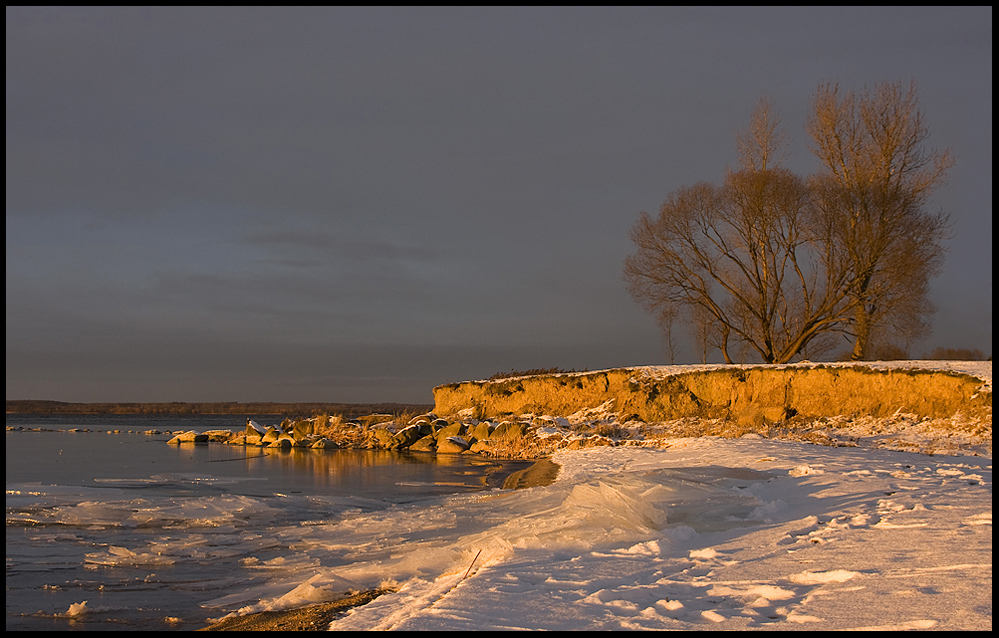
{"points": [[724, 343], [862, 328]]}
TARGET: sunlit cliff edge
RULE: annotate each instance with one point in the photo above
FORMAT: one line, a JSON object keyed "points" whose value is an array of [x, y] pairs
{"points": [[750, 395]]}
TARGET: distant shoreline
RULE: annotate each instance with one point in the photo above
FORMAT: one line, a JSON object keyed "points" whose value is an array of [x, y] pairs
{"points": [[31, 406]]}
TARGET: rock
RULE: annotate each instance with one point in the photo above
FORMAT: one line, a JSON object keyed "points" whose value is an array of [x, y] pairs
{"points": [[407, 436], [219, 436], [383, 438], [189, 437], [238, 439], [305, 441], [303, 429], [424, 444], [270, 435], [324, 444], [454, 429], [252, 429], [508, 430], [452, 445], [423, 418], [481, 430]]}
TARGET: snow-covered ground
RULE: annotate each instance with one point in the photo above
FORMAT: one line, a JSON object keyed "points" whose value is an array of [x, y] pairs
{"points": [[710, 534], [888, 526]]}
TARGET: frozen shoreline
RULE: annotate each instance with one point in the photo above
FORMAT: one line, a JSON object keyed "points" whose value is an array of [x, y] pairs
{"points": [[713, 533], [864, 523], [542, 473], [885, 525]]}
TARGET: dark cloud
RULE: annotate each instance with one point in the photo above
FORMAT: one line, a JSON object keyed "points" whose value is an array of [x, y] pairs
{"points": [[396, 186]]}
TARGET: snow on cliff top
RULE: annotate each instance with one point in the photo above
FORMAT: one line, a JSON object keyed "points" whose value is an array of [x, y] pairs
{"points": [[705, 534], [979, 369]]}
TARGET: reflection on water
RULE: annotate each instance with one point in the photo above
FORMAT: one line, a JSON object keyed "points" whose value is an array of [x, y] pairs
{"points": [[49, 451], [370, 470], [147, 532]]}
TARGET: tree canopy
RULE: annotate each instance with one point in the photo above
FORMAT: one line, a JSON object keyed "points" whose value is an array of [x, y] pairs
{"points": [[779, 265]]}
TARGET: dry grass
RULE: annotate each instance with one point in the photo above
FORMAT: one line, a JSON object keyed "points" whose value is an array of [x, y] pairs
{"points": [[341, 431], [747, 395], [530, 373]]}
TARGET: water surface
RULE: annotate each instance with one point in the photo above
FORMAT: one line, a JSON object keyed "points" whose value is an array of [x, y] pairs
{"points": [[119, 530]]}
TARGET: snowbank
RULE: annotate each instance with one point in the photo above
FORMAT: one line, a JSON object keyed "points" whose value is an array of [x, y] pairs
{"points": [[706, 534]]}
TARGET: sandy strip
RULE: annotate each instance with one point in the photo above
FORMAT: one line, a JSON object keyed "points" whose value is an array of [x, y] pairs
{"points": [[312, 618]]}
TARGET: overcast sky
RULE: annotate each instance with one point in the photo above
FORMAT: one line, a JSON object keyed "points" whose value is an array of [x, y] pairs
{"points": [[356, 205]]}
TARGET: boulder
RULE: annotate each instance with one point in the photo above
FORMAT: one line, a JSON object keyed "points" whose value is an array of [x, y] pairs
{"points": [[383, 438], [452, 445], [455, 429], [423, 418], [219, 436], [324, 444], [302, 429], [252, 429], [480, 431], [372, 420], [189, 437], [407, 436], [508, 430], [271, 435], [424, 444]]}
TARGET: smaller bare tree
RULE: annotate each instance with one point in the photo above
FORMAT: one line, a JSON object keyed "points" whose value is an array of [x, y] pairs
{"points": [[667, 321], [876, 182]]}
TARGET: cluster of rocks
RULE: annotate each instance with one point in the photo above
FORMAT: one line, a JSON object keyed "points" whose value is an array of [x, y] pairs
{"points": [[429, 433], [527, 437], [286, 435]]}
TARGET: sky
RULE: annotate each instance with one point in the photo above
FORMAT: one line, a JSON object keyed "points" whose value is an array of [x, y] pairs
{"points": [[359, 204]]}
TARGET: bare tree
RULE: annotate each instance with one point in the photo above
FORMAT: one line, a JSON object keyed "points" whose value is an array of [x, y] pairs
{"points": [[763, 145], [666, 321], [872, 195], [746, 260]]}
